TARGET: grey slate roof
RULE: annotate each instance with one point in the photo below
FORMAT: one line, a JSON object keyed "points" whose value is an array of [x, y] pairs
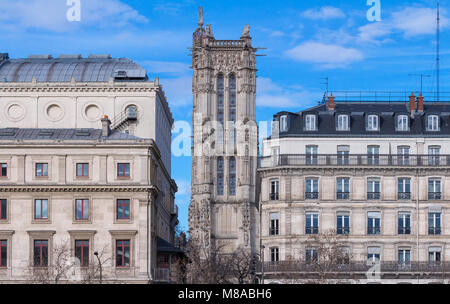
{"points": [[358, 112], [166, 247], [63, 69], [62, 134]]}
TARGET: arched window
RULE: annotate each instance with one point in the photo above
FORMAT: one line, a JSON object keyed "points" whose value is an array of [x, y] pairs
{"points": [[220, 176], [220, 98], [232, 179], [232, 107]]}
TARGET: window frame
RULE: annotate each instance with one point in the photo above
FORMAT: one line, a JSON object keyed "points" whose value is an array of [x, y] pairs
{"points": [[312, 217], [284, 123], [123, 246], [274, 224], [82, 247], [312, 182], [41, 200], [343, 124], [83, 167], [274, 191], [274, 254], [401, 125], [83, 201], [123, 205], [41, 253], [4, 166], [372, 228], [123, 171], [403, 217], [42, 166], [310, 122], [371, 119], [344, 184], [435, 124], [4, 216]]}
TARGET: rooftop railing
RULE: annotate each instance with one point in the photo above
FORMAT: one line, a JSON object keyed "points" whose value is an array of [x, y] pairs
{"points": [[360, 160]]}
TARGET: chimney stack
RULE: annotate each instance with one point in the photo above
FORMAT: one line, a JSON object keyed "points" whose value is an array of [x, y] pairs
{"points": [[412, 104], [331, 102], [106, 126], [420, 103]]}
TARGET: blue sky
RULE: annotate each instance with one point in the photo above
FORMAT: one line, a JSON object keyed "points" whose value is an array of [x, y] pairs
{"points": [[305, 41]]}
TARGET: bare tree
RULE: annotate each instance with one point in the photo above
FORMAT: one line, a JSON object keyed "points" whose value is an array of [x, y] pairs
{"points": [[243, 265], [95, 272]]}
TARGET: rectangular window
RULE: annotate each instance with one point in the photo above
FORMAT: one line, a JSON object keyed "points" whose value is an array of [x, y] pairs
{"points": [[373, 155], [343, 224], [434, 189], [404, 188], [3, 253], [123, 253], [311, 255], [41, 209], [123, 170], [311, 188], [41, 169], [274, 255], [343, 188], [433, 123], [402, 123], [434, 255], [343, 155], [372, 123], [82, 209], [3, 209], [310, 123], [434, 158], [83, 170], [123, 209], [373, 223], [403, 156], [311, 155], [82, 252], [40, 253], [373, 254], [373, 189], [312, 223], [274, 224], [3, 170], [343, 123], [434, 223], [274, 190], [404, 256], [283, 123], [404, 223], [276, 156]]}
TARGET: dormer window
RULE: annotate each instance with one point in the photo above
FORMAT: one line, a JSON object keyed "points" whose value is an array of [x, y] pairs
{"points": [[372, 123], [310, 122], [433, 123], [283, 123], [343, 123], [402, 123]]}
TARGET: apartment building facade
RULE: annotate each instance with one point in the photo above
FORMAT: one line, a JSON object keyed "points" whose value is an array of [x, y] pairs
{"points": [[374, 174]]}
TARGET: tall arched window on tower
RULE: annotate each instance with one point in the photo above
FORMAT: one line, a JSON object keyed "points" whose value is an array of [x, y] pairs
{"points": [[220, 176], [232, 179], [220, 98], [232, 107]]}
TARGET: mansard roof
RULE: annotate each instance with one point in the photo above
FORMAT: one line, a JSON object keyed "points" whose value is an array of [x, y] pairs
{"points": [[94, 68], [358, 113]]}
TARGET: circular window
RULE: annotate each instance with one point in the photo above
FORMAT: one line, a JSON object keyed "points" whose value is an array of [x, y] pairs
{"points": [[92, 112], [15, 112], [54, 112]]}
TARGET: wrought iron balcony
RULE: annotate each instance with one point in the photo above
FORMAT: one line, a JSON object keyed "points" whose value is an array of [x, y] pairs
{"points": [[273, 231], [342, 195], [343, 230], [373, 230], [312, 230], [311, 195], [404, 230], [434, 195], [434, 230], [404, 195], [373, 195], [357, 160], [274, 196]]}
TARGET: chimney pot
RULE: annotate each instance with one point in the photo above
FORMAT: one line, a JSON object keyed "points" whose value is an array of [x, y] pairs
{"points": [[331, 102], [106, 126], [420, 103], [412, 103]]}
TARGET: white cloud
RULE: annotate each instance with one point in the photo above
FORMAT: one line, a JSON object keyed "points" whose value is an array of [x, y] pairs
{"points": [[373, 31], [326, 56], [51, 15], [414, 21], [184, 187], [178, 91], [324, 13]]}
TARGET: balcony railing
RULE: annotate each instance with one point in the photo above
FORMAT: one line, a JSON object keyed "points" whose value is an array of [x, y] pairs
{"points": [[404, 195], [273, 231], [434, 230], [311, 230], [311, 195], [274, 196], [342, 195], [343, 230], [404, 230], [373, 230], [355, 160], [373, 195], [434, 195]]}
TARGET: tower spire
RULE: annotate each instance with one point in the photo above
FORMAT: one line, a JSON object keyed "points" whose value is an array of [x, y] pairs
{"points": [[200, 17]]}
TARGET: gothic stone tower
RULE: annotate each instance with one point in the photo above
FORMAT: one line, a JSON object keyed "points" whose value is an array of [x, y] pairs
{"points": [[223, 210]]}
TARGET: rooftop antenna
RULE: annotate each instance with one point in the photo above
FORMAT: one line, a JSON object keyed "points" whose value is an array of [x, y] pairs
{"points": [[421, 80], [325, 95], [437, 52]]}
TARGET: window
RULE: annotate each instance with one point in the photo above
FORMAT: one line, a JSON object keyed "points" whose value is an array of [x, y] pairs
{"points": [[434, 223], [3, 209], [402, 123], [123, 253], [82, 209], [343, 123], [41, 169], [274, 224], [131, 112], [232, 107], [220, 176], [41, 209], [311, 255], [373, 155], [373, 254], [232, 176], [274, 186], [404, 223], [434, 189], [373, 189], [311, 188], [312, 223], [3, 253], [310, 122], [403, 156], [40, 253], [404, 256], [82, 252], [343, 223], [276, 156], [3, 170], [404, 188], [433, 156], [433, 123], [274, 255], [123, 170], [373, 223], [343, 188], [372, 123], [311, 155], [123, 209], [220, 99], [343, 153], [283, 123], [434, 255], [82, 170]]}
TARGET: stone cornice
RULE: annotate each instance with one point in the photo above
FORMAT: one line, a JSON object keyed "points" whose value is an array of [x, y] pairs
{"points": [[78, 188]]}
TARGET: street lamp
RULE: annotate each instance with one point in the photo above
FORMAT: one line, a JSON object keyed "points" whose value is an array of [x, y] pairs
{"points": [[262, 263], [100, 265]]}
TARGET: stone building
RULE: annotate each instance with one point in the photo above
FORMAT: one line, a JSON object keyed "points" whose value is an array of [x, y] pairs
{"points": [[223, 209], [376, 174], [70, 175]]}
